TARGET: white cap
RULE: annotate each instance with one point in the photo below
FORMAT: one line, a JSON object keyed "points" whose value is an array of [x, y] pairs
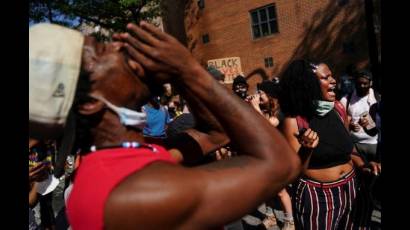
{"points": [[55, 54]]}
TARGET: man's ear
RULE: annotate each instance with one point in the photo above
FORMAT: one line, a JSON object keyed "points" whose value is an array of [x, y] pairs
{"points": [[371, 83], [136, 67], [90, 107]]}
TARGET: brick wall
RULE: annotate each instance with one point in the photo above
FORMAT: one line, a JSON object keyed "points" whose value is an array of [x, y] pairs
{"points": [[315, 29]]}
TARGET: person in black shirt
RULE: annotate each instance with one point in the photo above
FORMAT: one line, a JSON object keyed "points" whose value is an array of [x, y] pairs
{"points": [[327, 194]]}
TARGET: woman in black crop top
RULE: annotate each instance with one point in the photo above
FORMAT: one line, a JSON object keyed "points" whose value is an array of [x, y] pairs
{"points": [[326, 194]]}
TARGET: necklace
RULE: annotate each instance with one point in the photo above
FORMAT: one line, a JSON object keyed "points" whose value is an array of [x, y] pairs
{"points": [[133, 144]]}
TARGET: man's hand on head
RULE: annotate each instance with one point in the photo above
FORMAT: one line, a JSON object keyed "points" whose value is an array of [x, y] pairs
{"points": [[157, 51]]}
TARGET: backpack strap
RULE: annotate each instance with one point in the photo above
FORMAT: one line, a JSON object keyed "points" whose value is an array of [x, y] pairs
{"points": [[302, 122]]}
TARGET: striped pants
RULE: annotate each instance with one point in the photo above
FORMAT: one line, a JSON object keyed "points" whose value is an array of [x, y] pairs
{"points": [[329, 206]]}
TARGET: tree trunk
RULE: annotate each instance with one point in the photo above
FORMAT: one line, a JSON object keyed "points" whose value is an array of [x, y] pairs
{"points": [[372, 41], [173, 18]]}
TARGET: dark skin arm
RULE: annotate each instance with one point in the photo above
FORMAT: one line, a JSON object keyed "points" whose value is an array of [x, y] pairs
{"points": [[38, 173], [372, 167], [169, 196], [208, 131]]}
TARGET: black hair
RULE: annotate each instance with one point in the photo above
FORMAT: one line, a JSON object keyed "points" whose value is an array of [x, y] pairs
{"points": [[364, 74], [239, 80], [271, 88], [300, 87]]}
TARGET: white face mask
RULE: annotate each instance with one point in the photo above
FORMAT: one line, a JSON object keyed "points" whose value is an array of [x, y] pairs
{"points": [[323, 107], [128, 117]]}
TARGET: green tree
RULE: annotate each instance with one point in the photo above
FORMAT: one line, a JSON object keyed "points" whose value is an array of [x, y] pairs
{"points": [[112, 15]]}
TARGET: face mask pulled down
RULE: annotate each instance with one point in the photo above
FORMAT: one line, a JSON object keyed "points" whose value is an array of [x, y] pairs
{"points": [[127, 117], [323, 107]]}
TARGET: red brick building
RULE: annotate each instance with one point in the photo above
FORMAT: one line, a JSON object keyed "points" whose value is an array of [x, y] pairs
{"points": [[264, 35]]}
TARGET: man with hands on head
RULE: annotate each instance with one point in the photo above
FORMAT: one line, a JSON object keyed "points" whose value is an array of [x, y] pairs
{"points": [[123, 181], [212, 197]]}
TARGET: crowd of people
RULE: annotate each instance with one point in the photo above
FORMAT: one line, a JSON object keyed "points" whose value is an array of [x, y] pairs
{"points": [[139, 135]]}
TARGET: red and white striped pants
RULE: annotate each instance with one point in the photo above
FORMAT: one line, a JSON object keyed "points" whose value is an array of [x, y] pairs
{"points": [[329, 206]]}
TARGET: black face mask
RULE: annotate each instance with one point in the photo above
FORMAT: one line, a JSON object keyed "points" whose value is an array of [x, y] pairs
{"points": [[362, 91], [363, 87]]}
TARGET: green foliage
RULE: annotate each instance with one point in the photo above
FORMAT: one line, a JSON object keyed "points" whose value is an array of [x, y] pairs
{"points": [[111, 15]]}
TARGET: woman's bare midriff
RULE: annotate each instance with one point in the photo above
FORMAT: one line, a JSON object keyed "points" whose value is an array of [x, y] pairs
{"points": [[329, 174]]}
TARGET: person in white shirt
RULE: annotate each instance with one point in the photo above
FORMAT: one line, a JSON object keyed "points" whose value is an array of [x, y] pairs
{"points": [[357, 105]]}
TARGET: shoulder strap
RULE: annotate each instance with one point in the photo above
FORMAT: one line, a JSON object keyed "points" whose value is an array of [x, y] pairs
{"points": [[302, 122], [340, 110]]}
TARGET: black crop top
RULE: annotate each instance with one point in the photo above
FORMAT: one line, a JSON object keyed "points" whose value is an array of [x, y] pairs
{"points": [[335, 144]]}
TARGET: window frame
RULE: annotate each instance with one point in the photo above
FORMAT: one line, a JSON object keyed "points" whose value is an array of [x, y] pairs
{"points": [[268, 62], [207, 39], [201, 4], [268, 21]]}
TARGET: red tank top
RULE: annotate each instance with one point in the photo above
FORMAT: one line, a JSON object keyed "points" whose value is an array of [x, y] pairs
{"points": [[97, 176]]}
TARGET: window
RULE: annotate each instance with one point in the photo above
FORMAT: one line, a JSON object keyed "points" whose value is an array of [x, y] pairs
{"points": [[264, 21], [201, 4], [205, 38], [268, 62]]}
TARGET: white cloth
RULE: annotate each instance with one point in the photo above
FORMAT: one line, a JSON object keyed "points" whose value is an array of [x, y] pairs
{"points": [[54, 66], [357, 106], [48, 185]]}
